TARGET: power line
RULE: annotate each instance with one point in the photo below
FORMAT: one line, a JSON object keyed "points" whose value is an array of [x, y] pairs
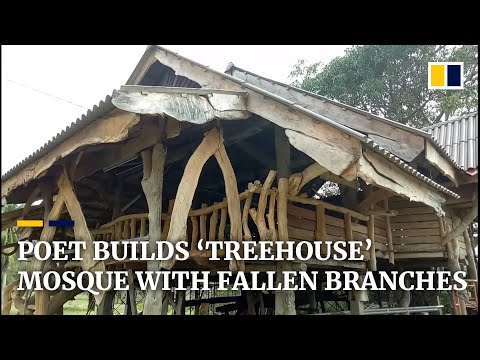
{"points": [[44, 93]]}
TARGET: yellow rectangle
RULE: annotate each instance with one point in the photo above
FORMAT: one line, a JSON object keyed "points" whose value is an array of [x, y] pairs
{"points": [[437, 75], [29, 223]]}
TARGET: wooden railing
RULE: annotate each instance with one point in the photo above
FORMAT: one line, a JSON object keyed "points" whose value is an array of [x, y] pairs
{"points": [[308, 219], [327, 222]]}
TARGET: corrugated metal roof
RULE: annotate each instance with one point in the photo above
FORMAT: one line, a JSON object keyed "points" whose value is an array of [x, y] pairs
{"points": [[459, 138], [91, 115]]}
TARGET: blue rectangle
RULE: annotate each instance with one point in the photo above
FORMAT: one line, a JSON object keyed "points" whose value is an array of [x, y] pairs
{"points": [[453, 75], [61, 223]]}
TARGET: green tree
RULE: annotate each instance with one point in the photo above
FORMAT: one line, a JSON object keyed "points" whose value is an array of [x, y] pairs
{"points": [[392, 81]]}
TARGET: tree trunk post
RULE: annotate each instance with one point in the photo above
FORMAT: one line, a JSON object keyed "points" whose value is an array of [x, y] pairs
{"points": [[284, 299], [357, 298], [152, 184]]}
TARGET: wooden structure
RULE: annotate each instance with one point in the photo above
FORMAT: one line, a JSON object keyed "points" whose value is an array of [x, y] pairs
{"points": [[183, 152]]}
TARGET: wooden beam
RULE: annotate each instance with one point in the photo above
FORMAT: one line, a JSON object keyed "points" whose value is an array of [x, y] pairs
{"points": [[31, 199], [299, 180], [182, 105], [440, 162], [149, 134], [374, 198], [282, 114], [403, 143], [110, 129], [376, 170], [152, 184], [333, 152]]}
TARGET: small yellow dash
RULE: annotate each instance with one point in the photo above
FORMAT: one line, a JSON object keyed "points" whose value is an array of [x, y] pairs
{"points": [[29, 223]]}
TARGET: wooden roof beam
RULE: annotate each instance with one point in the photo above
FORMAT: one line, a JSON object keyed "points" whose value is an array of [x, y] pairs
{"points": [[196, 106]]}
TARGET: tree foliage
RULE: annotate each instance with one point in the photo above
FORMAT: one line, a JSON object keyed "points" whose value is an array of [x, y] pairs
{"points": [[392, 81]]}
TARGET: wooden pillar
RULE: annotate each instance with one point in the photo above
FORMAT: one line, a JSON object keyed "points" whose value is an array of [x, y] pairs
{"points": [[372, 264], [152, 184], [453, 266], [42, 297], [357, 297], [388, 229], [471, 266], [284, 299]]}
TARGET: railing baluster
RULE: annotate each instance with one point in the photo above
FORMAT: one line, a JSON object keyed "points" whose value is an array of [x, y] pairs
{"points": [[194, 233], [223, 221]]}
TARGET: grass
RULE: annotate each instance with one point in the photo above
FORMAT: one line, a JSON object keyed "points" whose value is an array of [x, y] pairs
{"points": [[77, 306]]}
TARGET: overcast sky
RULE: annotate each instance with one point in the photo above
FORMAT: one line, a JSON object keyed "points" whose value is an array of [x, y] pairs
{"points": [[83, 75]]}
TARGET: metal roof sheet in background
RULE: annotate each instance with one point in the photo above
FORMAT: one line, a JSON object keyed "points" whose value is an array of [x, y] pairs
{"points": [[459, 137]]}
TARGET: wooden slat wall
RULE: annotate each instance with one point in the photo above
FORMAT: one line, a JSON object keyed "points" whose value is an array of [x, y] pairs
{"points": [[302, 225], [415, 231]]}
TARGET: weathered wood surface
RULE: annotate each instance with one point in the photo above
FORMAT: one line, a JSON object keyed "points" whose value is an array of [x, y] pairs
{"points": [[152, 184], [183, 106], [332, 152], [271, 214], [372, 166], [440, 162], [148, 135], [186, 189], [321, 229], [247, 235], [110, 129], [223, 223], [80, 229], [48, 232], [233, 200], [212, 144], [371, 235], [374, 198], [471, 264], [315, 202], [388, 229], [265, 233], [273, 110], [299, 180], [402, 143], [464, 223]]}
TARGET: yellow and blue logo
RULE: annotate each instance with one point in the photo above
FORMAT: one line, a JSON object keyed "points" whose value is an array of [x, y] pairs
{"points": [[445, 75]]}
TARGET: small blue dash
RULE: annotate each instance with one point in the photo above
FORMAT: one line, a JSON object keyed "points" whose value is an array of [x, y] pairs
{"points": [[61, 223]]}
